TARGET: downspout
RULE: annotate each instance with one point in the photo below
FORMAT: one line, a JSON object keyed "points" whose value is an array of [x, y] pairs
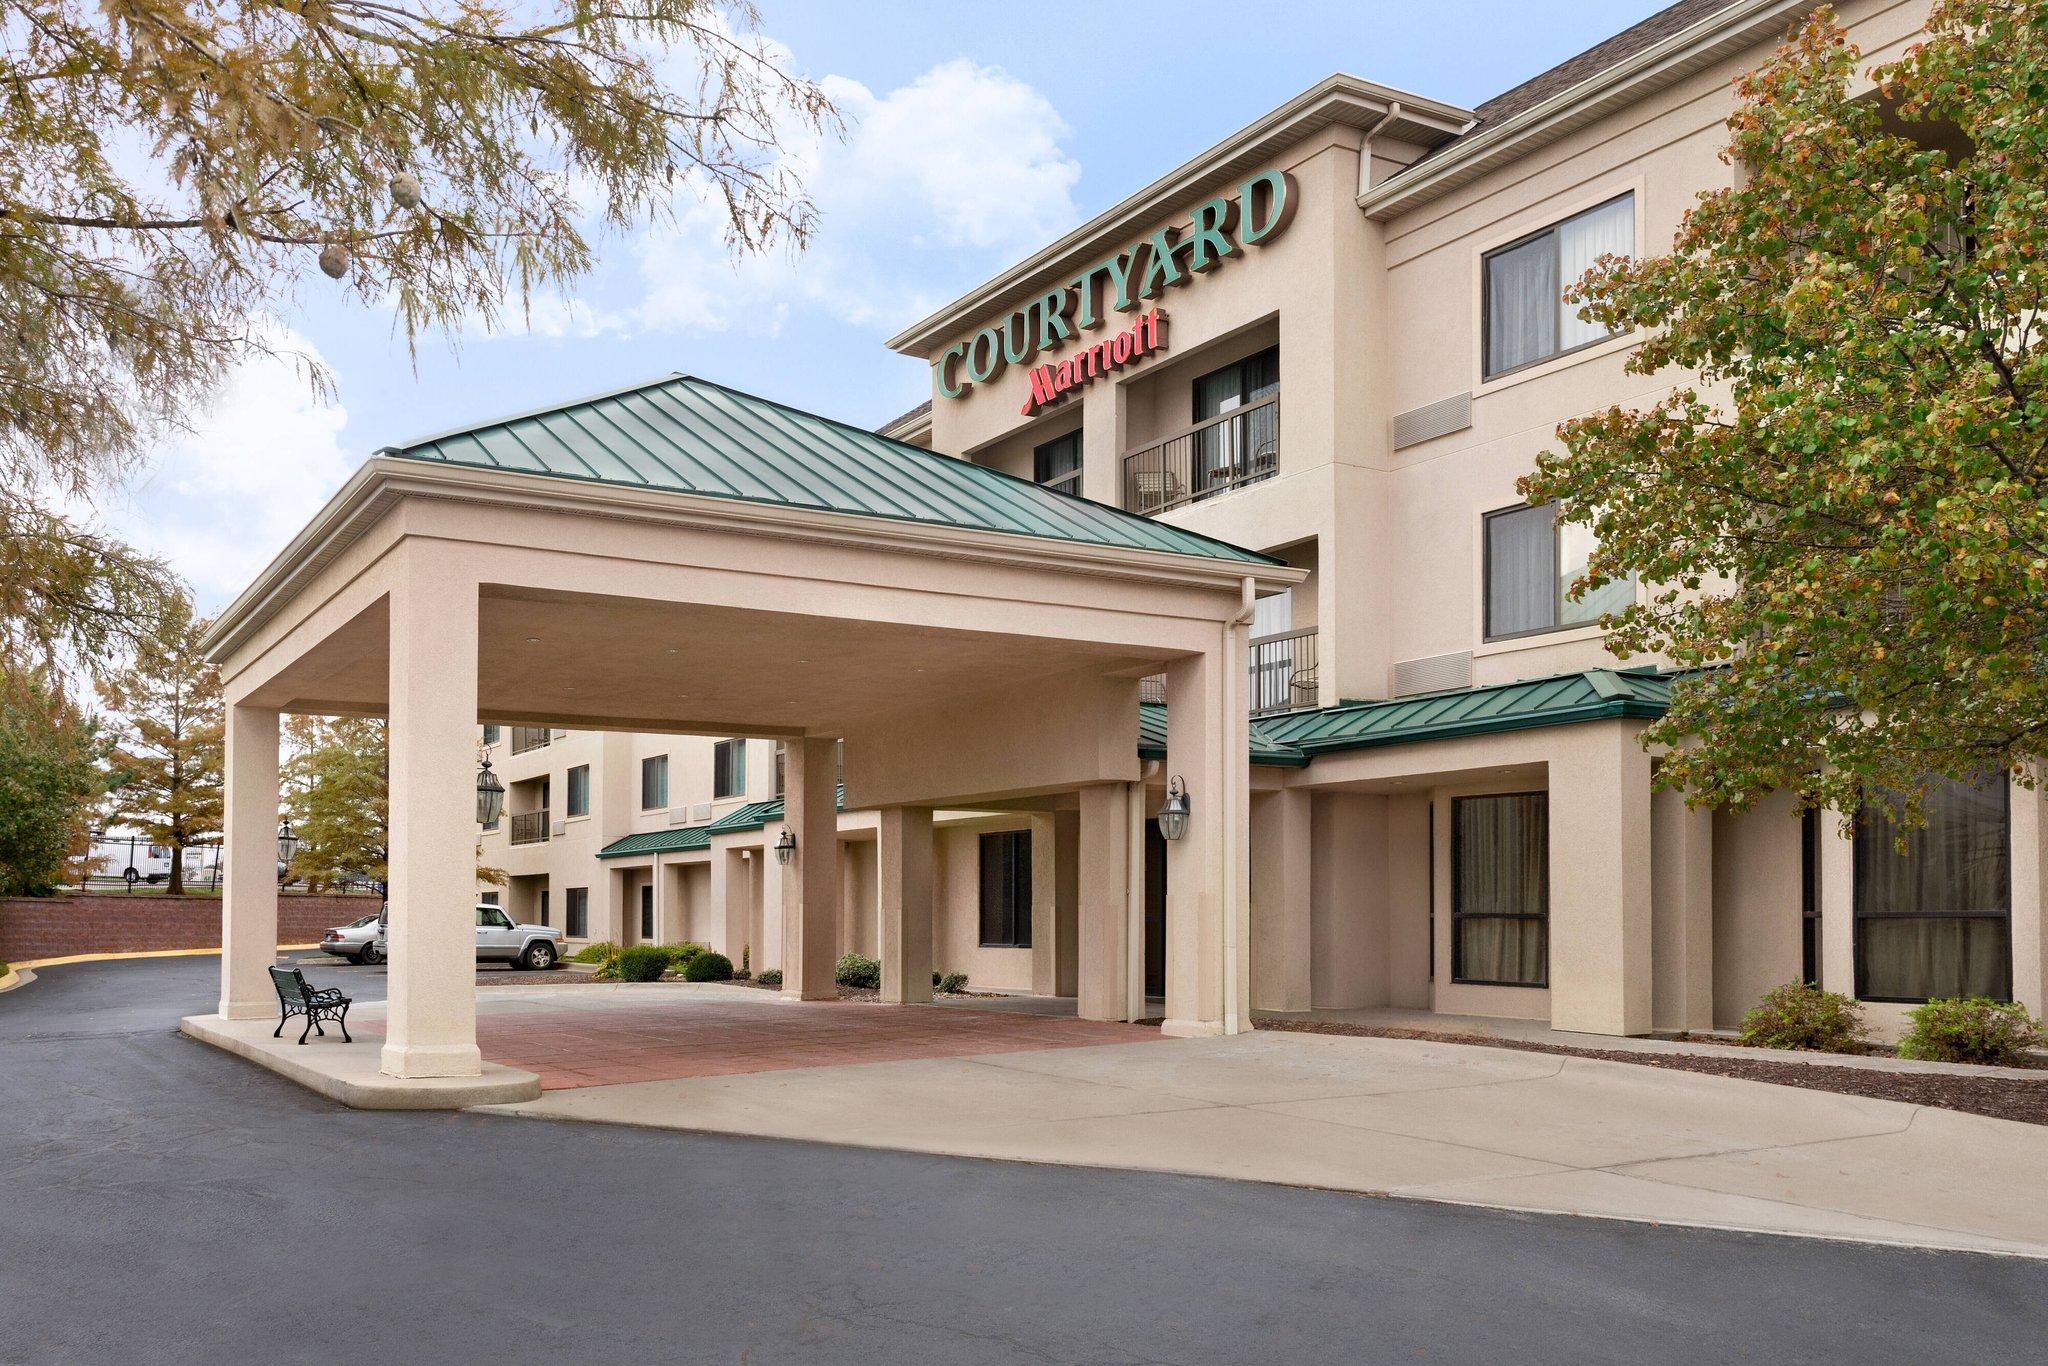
{"points": [[1365, 152], [1236, 770]]}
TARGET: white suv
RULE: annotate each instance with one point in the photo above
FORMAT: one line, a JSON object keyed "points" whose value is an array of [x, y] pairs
{"points": [[498, 940]]}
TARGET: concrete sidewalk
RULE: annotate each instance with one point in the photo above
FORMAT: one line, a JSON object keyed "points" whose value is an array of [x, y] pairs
{"points": [[1454, 1123]]}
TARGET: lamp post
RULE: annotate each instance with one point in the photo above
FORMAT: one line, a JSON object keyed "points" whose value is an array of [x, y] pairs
{"points": [[785, 847], [1173, 815], [287, 845]]}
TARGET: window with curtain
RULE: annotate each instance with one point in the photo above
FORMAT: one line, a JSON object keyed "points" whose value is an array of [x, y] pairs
{"points": [[729, 769], [1936, 920], [1531, 564], [1527, 319], [1500, 890], [1057, 463], [781, 767], [576, 905], [1006, 890], [1232, 452], [579, 790], [653, 782]]}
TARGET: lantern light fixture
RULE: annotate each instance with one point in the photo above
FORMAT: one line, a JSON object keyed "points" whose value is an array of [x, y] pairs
{"points": [[785, 846], [287, 842], [1173, 815], [490, 794]]}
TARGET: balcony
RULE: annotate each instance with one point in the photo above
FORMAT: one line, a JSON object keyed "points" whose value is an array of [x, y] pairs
{"points": [[526, 738], [1283, 674], [530, 828], [1214, 456]]}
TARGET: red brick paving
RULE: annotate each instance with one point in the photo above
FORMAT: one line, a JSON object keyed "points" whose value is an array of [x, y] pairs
{"points": [[665, 1041]]}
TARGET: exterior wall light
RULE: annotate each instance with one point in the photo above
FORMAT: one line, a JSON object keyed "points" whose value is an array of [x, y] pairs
{"points": [[490, 794], [785, 846], [287, 842], [1173, 816]]}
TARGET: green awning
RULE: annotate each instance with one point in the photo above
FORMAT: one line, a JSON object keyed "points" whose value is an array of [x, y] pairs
{"points": [[689, 435], [681, 840], [1593, 695]]}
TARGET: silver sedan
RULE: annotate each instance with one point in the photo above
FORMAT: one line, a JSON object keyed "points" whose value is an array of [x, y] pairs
{"points": [[355, 941]]}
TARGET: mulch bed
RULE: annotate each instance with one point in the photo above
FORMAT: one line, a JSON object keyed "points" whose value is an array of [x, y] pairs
{"points": [[2022, 1099]]}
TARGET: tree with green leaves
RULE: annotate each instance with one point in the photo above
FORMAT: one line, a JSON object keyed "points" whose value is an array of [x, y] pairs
{"points": [[1842, 508], [50, 780], [336, 782], [176, 175], [169, 739]]}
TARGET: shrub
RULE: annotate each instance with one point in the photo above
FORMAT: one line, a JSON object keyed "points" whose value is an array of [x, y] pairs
{"points": [[1801, 1015], [1972, 1029], [682, 953], [858, 970], [708, 967], [594, 953], [770, 977], [951, 983], [642, 963]]}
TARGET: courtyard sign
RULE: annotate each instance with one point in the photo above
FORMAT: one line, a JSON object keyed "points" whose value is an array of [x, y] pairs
{"points": [[1218, 229]]}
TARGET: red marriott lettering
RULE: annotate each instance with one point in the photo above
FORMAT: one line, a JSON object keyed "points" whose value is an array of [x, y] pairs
{"points": [[1053, 382]]}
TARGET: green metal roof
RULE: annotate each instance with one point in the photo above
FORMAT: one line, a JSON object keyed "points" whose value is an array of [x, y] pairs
{"points": [[1265, 749], [689, 435], [754, 815], [681, 840], [1594, 695]]}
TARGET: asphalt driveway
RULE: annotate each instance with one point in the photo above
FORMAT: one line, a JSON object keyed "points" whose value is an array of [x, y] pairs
{"points": [[163, 1202]]}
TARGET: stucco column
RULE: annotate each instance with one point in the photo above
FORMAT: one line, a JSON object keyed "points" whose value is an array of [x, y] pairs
{"points": [[1055, 840], [731, 901], [1600, 882], [810, 885], [2029, 898], [430, 1028], [1682, 845], [1105, 915], [1208, 883], [611, 907], [248, 908], [904, 912], [1102, 443], [1837, 902], [1282, 923]]}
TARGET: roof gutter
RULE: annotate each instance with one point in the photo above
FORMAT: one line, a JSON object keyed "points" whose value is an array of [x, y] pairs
{"points": [[1657, 64]]}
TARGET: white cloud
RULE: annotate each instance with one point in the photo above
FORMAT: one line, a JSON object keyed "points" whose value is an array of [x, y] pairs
{"points": [[218, 501]]}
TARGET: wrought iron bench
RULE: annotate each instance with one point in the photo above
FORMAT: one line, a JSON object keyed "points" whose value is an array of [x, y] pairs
{"points": [[295, 996]]}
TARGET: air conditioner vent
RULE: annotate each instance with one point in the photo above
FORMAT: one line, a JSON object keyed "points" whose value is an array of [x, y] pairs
{"points": [[1431, 420], [1435, 673]]}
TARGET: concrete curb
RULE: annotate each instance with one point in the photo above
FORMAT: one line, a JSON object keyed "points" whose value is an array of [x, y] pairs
{"points": [[16, 977], [142, 953], [349, 1072]]}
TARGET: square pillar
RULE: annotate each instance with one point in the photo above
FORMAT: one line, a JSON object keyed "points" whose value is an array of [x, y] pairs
{"points": [[905, 909], [732, 902], [1682, 840], [2030, 897], [1055, 841], [248, 909], [1208, 877], [1282, 922], [1600, 882], [810, 884], [431, 1020], [1837, 902], [1104, 913]]}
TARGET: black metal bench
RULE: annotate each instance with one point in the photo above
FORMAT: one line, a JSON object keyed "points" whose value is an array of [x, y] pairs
{"points": [[295, 996]]}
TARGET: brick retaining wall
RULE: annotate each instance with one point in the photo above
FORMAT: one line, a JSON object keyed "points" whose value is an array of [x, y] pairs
{"points": [[58, 926]]}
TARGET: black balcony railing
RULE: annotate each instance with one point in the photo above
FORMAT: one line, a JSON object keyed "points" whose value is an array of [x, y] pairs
{"points": [[1152, 689], [1214, 456], [525, 738], [530, 827], [1283, 672]]}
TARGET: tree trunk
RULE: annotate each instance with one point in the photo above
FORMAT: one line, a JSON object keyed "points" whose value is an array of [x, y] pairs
{"points": [[176, 886]]}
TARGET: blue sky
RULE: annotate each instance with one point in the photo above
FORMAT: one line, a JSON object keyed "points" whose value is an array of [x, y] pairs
{"points": [[977, 132]]}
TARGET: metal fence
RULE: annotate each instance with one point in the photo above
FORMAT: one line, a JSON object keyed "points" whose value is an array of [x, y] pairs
{"points": [[530, 828], [525, 738], [1283, 672], [1214, 456]]}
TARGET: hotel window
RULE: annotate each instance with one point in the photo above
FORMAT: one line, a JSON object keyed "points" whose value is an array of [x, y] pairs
{"points": [[1936, 920], [1500, 890], [1057, 464], [653, 782], [490, 735], [1235, 452], [1526, 317], [647, 913], [781, 766], [487, 898], [579, 790], [729, 769], [544, 908], [1532, 561], [1006, 890], [577, 904]]}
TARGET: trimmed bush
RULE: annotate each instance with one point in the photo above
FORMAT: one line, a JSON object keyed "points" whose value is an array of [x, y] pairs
{"points": [[771, 977], [1972, 1029], [708, 967], [858, 970], [950, 984], [642, 963], [594, 953], [1802, 1016], [682, 953]]}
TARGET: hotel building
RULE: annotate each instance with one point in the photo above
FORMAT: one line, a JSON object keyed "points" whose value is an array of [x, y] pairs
{"points": [[1334, 339]]}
